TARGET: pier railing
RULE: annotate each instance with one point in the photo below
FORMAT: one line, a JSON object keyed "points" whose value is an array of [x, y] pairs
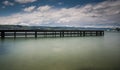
{"points": [[52, 33]]}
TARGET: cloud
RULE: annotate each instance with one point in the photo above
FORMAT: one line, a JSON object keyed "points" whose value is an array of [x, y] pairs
{"points": [[29, 9], [25, 1], [7, 3], [105, 14], [44, 8]]}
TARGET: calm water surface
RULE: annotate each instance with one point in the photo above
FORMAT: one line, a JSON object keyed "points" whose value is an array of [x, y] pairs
{"points": [[70, 53]]}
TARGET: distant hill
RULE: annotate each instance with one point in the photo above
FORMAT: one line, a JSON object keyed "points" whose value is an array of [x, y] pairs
{"points": [[13, 27], [20, 27]]}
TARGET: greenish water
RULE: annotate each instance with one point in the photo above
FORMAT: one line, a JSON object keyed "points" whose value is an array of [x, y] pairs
{"points": [[69, 53]]}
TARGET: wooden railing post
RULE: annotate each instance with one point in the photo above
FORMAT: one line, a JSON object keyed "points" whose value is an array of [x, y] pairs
{"points": [[35, 34], [2, 34], [14, 34], [83, 33], [25, 34]]}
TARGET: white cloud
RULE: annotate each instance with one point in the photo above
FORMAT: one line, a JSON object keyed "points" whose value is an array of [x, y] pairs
{"points": [[44, 8], [25, 1], [105, 14], [29, 9], [7, 3]]}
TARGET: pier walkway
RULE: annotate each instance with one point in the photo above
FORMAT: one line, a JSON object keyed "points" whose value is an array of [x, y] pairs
{"points": [[52, 33]]}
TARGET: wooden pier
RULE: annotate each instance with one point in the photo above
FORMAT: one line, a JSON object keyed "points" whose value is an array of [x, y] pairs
{"points": [[50, 33]]}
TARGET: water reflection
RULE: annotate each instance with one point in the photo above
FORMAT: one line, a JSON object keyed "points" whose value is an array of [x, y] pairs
{"points": [[3, 47], [77, 53]]}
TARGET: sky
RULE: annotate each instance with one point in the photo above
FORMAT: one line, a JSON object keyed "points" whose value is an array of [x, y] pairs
{"points": [[75, 13]]}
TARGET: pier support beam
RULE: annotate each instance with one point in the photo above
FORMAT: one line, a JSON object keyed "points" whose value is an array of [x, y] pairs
{"points": [[2, 35], [45, 34], [60, 34], [100, 33], [14, 34], [55, 34], [83, 33], [96, 33], [35, 34], [25, 34], [70, 33], [63, 34], [80, 33], [103, 33]]}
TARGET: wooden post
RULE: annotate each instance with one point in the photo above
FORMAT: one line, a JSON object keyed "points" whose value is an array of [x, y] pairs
{"points": [[70, 33], [35, 34], [74, 34], [25, 34], [67, 34], [45, 34], [83, 33], [60, 34], [14, 34], [63, 34], [96, 33], [102, 32], [78, 34], [55, 33], [2, 34]]}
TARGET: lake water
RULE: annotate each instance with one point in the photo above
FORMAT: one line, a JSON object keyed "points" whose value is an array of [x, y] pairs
{"points": [[69, 53]]}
